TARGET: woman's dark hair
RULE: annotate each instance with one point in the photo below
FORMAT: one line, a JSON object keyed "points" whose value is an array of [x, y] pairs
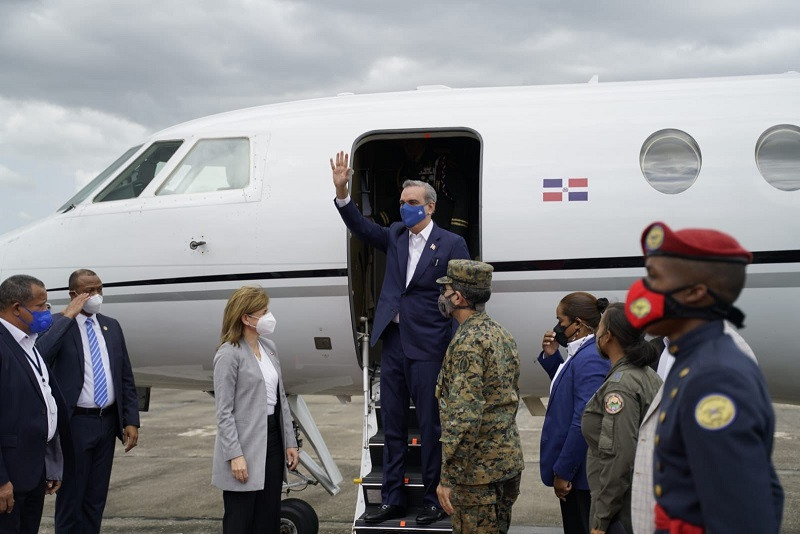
{"points": [[584, 306], [637, 349]]}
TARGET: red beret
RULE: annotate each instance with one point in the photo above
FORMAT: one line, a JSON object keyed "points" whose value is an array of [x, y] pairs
{"points": [[700, 244]]}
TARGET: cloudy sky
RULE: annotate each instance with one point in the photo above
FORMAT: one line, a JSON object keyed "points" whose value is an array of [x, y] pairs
{"points": [[83, 80]]}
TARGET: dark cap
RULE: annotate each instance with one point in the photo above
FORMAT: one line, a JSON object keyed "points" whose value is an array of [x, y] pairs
{"points": [[468, 272], [701, 244]]}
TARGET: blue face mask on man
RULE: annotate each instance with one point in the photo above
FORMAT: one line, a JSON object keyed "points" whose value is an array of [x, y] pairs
{"points": [[41, 321], [412, 215]]}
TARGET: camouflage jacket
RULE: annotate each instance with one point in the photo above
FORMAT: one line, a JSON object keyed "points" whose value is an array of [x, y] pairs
{"points": [[478, 397]]}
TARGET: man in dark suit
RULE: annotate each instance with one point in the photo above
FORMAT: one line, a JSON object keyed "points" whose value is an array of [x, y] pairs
{"points": [[88, 355], [33, 420], [415, 334]]}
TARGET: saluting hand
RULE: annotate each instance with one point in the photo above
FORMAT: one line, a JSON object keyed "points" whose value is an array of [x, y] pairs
{"points": [[341, 173], [239, 469], [549, 343], [75, 305], [292, 458]]}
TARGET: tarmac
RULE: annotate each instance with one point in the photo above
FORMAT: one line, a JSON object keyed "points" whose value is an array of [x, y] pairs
{"points": [[163, 485]]}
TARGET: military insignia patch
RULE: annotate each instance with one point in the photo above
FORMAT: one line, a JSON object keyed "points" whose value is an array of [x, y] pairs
{"points": [[641, 307], [613, 403], [655, 238], [617, 376], [715, 412]]}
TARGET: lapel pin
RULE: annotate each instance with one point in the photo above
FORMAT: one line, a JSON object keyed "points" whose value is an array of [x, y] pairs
{"points": [[105, 328], [433, 246]]}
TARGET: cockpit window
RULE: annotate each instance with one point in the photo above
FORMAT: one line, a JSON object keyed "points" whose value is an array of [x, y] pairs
{"points": [[778, 156], [132, 181], [211, 165], [89, 188]]}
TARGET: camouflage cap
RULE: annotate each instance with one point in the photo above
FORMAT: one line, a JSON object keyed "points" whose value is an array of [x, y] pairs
{"points": [[468, 272]]}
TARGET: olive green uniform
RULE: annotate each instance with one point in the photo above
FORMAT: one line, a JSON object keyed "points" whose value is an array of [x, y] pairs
{"points": [[610, 426], [478, 396]]}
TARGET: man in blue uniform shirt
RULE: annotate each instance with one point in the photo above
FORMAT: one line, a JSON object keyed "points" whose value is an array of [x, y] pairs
{"points": [[712, 467], [414, 333]]}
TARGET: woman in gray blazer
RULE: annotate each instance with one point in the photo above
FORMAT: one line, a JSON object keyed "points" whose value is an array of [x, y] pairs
{"points": [[254, 426]]}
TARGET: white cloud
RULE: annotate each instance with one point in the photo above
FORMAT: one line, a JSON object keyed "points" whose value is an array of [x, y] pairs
{"points": [[9, 178], [55, 149]]}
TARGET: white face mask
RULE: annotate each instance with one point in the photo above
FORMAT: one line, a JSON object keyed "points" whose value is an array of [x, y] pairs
{"points": [[93, 305], [266, 324]]}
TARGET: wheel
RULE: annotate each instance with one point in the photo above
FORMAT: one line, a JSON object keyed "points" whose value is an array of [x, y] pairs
{"points": [[298, 517]]}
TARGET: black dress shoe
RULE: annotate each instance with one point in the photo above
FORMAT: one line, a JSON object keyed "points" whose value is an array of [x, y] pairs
{"points": [[430, 514], [386, 511]]}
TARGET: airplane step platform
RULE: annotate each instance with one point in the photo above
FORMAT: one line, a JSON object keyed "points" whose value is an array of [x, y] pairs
{"points": [[405, 524]]}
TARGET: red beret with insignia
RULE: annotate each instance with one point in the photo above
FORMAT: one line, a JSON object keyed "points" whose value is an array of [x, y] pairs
{"points": [[700, 244]]}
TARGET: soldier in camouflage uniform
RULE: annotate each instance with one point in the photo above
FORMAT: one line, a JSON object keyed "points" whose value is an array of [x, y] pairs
{"points": [[478, 397]]}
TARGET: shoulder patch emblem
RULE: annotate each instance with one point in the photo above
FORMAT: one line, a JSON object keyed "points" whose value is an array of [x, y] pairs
{"points": [[715, 412], [613, 403]]}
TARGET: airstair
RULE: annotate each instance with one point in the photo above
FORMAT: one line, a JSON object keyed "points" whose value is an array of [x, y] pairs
{"points": [[369, 496]]}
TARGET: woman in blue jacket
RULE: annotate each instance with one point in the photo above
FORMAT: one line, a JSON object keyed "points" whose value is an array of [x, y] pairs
{"points": [[573, 382]]}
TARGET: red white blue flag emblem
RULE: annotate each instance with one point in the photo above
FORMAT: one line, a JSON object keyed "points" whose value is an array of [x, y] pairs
{"points": [[569, 189]]}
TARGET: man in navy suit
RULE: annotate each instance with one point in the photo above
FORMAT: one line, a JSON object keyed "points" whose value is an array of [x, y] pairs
{"points": [[88, 355], [33, 421], [415, 334]]}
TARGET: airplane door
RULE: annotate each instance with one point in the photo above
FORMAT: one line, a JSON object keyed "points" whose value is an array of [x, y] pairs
{"points": [[449, 160]]}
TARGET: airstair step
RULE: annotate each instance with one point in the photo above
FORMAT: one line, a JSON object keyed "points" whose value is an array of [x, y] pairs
{"points": [[413, 455], [411, 420], [405, 524]]}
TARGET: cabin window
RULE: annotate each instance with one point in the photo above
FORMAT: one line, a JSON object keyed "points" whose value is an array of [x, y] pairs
{"points": [[133, 180], [89, 188], [778, 156], [670, 161], [211, 165]]}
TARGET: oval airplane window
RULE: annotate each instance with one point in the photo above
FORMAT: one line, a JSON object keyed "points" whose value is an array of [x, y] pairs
{"points": [[670, 161], [778, 157]]}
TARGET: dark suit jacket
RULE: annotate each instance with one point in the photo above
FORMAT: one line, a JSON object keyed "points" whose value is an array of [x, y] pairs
{"points": [[23, 422], [62, 348], [424, 333], [563, 449]]}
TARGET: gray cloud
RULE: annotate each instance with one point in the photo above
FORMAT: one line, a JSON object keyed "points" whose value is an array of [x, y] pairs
{"points": [[81, 82]]}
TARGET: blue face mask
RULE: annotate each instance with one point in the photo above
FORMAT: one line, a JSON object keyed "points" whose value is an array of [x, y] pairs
{"points": [[41, 321], [412, 215]]}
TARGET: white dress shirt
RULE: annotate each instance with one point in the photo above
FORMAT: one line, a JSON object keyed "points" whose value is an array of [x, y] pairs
{"points": [[572, 348], [86, 398], [27, 341], [270, 378], [416, 246]]}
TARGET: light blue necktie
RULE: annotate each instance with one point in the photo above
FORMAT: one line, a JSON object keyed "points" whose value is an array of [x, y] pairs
{"points": [[98, 372]]}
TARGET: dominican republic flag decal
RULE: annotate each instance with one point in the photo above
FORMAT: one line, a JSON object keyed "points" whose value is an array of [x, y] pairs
{"points": [[560, 189]]}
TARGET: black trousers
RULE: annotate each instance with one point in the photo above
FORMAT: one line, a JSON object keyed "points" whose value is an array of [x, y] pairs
{"points": [[82, 499], [259, 511], [27, 512], [575, 512]]}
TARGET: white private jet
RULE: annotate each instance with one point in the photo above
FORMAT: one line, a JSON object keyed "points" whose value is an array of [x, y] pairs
{"points": [[560, 181]]}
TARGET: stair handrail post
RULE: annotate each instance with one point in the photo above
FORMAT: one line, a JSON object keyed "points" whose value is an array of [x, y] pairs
{"points": [[364, 339]]}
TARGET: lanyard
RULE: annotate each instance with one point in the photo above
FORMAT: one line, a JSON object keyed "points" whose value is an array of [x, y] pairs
{"points": [[36, 363]]}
